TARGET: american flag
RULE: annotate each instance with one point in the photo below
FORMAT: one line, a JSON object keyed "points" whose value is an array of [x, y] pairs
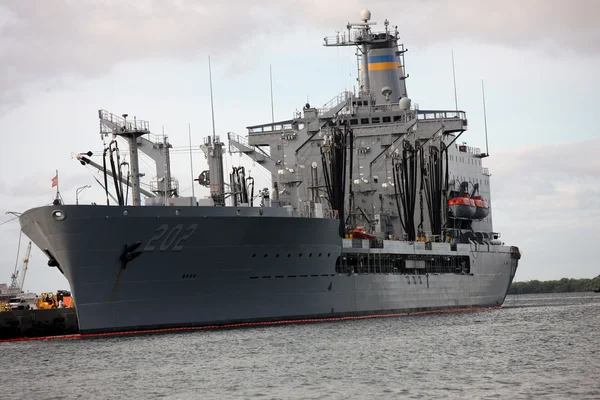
{"points": [[55, 181]]}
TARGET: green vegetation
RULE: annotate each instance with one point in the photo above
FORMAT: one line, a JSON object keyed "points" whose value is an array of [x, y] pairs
{"points": [[565, 285]]}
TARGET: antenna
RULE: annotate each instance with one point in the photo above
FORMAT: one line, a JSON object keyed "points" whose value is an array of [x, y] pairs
{"points": [[191, 160], [454, 78], [212, 108], [165, 183], [487, 151], [271, 79]]}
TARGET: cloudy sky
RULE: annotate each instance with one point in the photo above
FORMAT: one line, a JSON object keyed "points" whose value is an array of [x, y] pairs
{"points": [[62, 60]]}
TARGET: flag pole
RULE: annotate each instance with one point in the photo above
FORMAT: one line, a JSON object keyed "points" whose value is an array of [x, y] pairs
{"points": [[57, 200]]}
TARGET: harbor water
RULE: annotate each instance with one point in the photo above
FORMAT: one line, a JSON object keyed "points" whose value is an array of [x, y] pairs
{"points": [[543, 346]]}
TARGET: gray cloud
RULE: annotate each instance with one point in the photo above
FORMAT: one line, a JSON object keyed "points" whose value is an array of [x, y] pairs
{"points": [[546, 200], [31, 186], [548, 184], [42, 42]]}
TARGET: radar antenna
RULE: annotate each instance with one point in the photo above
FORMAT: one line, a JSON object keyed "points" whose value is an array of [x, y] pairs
{"points": [[380, 58], [362, 39], [212, 108]]}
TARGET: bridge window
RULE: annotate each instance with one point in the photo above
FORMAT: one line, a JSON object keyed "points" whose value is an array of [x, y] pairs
{"points": [[353, 122], [375, 120], [387, 119], [364, 121]]}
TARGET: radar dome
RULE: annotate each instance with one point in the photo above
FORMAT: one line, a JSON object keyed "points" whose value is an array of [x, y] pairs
{"points": [[404, 103], [365, 15], [314, 164]]}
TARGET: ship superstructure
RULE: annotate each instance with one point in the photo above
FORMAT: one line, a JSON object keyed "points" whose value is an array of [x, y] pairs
{"points": [[402, 164], [376, 207]]}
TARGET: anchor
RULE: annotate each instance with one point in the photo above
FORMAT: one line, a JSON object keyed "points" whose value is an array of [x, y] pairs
{"points": [[129, 254]]}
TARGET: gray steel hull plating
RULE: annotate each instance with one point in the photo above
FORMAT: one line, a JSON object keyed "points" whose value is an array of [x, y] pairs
{"points": [[219, 265]]}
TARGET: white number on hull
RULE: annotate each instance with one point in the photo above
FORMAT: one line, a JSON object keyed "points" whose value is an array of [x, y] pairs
{"points": [[159, 233], [171, 238], [168, 241], [190, 231]]}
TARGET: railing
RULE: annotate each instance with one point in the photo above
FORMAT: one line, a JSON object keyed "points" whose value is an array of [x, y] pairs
{"points": [[158, 186], [427, 115], [344, 38], [353, 37], [157, 139], [109, 122], [408, 115], [468, 149], [340, 98], [239, 139], [209, 139], [277, 127]]}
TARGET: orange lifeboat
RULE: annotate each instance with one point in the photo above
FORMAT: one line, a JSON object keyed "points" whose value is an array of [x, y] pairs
{"points": [[462, 207], [360, 233], [482, 209]]}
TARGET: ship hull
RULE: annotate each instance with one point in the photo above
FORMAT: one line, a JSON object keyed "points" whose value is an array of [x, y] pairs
{"points": [[209, 265]]}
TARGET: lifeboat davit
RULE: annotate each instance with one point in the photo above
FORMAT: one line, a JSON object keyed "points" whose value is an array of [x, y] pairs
{"points": [[462, 207], [482, 209]]}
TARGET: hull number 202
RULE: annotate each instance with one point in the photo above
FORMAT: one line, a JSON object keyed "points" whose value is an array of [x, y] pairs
{"points": [[172, 239]]}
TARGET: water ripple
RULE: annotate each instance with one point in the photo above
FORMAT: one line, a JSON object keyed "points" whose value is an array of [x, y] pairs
{"points": [[536, 347]]}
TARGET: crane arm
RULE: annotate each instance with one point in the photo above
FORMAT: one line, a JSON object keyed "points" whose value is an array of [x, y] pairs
{"points": [[24, 268], [86, 161]]}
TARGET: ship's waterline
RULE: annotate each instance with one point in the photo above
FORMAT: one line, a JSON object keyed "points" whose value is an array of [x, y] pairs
{"points": [[246, 271]]}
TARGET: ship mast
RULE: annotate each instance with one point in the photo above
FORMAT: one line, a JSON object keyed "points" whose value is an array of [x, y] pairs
{"points": [[365, 15], [131, 131], [213, 150], [381, 59]]}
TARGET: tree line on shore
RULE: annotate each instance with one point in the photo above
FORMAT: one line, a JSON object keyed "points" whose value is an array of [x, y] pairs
{"points": [[565, 285]]}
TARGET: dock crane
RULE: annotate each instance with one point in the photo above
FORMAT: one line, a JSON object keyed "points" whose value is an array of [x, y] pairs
{"points": [[18, 276]]}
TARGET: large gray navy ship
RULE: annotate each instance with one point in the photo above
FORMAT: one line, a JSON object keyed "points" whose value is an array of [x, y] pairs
{"points": [[376, 208]]}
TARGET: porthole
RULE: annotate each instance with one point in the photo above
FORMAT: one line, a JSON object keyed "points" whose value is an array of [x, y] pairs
{"points": [[58, 215], [253, 255]]}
